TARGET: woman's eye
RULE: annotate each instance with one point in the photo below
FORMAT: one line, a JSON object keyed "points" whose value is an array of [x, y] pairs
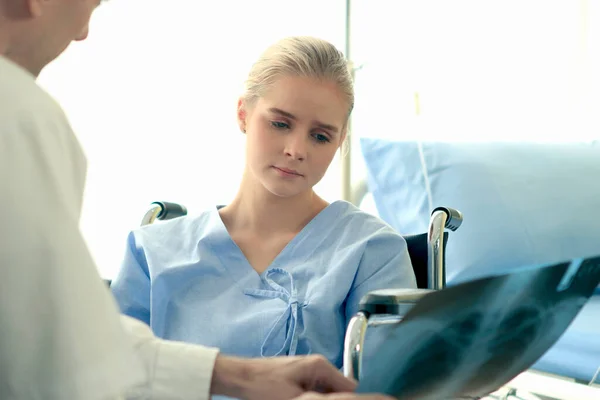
{"points": [[280, 125], [321, 138]]}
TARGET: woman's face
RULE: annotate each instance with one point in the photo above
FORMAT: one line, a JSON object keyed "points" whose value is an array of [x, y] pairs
{"points": [[293, 132]]}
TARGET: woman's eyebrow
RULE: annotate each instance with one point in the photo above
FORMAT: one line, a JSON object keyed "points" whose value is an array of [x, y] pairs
{"points": [[291, 116]]}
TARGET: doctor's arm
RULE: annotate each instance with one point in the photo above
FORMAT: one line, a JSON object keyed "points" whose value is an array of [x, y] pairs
{"points": [[185, 371]]}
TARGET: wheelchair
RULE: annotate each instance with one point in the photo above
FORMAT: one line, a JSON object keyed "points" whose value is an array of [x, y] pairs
{"points": [[385, 306], [389, 306]]}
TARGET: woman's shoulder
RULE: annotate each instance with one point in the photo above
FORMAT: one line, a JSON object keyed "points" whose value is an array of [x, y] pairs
{"points": [[181, 229], [347, 226], [350, 216]]}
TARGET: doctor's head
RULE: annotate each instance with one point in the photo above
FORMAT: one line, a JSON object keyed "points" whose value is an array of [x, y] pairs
{"points": [[295, 110], [34, 32]]}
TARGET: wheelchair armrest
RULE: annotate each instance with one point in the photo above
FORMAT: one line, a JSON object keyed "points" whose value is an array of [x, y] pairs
{"points": [[391, 301]]}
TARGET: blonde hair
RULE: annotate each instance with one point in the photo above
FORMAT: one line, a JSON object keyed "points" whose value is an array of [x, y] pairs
{"points": [[304, 56]]}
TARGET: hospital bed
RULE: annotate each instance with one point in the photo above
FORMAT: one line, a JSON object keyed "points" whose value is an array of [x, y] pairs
{"points": [[527, 204]]}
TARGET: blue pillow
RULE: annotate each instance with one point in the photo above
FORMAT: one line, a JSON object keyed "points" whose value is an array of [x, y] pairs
{"points": [[524, 203]]}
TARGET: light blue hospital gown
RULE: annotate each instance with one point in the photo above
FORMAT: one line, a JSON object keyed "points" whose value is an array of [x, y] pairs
{"points": [[190, 282]]}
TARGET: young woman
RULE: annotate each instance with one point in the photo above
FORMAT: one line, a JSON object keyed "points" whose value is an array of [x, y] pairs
{"points": [[278, 271]]}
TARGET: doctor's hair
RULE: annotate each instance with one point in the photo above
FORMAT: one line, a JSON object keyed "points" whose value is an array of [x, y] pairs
{"points": [[303, 56]]}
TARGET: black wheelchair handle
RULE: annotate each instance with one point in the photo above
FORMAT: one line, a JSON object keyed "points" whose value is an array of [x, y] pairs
{"points": [[170, 210], [454, 218]]}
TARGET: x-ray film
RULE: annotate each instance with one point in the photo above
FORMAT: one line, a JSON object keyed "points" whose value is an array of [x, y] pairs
{"points": [[468, 340]]}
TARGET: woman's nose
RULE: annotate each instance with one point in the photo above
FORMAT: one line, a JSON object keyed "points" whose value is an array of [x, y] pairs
{"points": [[296, 147]]}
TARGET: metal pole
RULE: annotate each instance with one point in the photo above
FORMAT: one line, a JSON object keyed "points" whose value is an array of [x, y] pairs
{"points": [[346, 153]]}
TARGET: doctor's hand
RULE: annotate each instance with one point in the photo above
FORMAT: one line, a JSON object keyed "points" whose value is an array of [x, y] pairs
{"points": [[279, 378]]}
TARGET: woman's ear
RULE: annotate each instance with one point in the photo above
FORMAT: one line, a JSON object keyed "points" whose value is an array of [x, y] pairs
{"points": [[242, 114], [343, 137], [343, 146]]}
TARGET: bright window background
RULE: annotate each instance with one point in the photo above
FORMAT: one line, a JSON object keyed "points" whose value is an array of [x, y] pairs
{"points": [[152, 93], [483, 70]]}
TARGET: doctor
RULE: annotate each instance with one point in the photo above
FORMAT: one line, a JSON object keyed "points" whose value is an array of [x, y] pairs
{"points": [[61, 334]]}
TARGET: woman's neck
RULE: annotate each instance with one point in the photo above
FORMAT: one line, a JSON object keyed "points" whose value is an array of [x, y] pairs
{"points": [[257, 211]]}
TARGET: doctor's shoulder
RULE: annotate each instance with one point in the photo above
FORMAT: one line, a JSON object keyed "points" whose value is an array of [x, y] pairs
{"points": [[23, 99]]}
